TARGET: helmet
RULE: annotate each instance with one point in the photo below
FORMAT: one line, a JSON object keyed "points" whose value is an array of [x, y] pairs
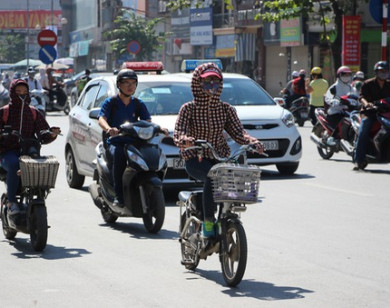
{"points": [[381, 65], [359, 75], [302, 73], [316, 70], [126, 74], [294, 74], [30, 70], [343, 70]]}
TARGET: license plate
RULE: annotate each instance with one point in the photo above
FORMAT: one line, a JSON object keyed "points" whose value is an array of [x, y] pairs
{"points": [[304, 115], [271, 145], [178, 163]]}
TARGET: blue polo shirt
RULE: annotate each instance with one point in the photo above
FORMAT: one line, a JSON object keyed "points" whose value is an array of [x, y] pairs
{"points": [[123, 113]]}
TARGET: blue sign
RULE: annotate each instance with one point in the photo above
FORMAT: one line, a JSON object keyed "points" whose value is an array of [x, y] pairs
{"points": [[134, 47], [47, 54], [376, 9]]}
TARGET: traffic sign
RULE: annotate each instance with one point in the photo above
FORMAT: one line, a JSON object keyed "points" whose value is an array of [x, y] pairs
{"points": [[134, 47], [47, 54], [376, 9], [47, 37]]}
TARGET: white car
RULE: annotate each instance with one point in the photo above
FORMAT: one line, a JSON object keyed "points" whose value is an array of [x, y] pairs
{"points": [[163, 95]]}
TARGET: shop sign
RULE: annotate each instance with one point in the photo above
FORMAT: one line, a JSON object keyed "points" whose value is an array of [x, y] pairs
{"points": [[351, 41], [290, 32]]}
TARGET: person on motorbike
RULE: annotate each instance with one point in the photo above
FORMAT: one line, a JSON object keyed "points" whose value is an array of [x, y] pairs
{"points": [[83, 81], [21, 119], [206, 118], [33, 83], [287, 90], [372, 90], [317, 89], [358, 80], [114, 112], [6, 81], [298, 88], [336, 110]]}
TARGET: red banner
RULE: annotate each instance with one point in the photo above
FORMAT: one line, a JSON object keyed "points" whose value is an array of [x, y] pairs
{"points": [[351, 41], [18, 19]]}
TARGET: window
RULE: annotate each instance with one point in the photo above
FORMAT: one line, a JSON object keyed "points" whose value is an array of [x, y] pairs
{"points": [[102, 94], [89, 97]]}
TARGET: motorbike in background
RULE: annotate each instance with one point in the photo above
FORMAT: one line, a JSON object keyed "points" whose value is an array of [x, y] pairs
{"points": [[378, 150], [323, 130], [234, 186], [142, 178], [299, 108], [58, 101], [38, 176]]}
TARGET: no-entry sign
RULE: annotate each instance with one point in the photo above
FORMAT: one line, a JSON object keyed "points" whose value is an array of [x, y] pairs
{"points": [[47, 37]]}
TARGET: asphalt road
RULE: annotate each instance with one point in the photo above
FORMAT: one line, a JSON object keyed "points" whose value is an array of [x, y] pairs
{"points": [[316, 239]]}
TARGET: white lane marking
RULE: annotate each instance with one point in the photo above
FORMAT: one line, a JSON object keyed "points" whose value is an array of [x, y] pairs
{"points": [[351, 192]]}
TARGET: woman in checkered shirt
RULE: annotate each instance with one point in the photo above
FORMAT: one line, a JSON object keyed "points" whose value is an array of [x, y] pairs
{"points": [[205, 118]]}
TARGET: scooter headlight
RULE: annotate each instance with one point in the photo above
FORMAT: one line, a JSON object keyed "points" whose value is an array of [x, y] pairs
{"points": [[162, 161], [145, 133], [138, 160], [288, 119]]}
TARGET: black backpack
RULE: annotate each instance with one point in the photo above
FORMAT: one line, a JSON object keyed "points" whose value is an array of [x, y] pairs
{"points": [[114, 102]]}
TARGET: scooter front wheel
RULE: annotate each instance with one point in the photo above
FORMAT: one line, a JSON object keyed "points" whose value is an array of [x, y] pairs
{"points": [[154, 218], [234, 253], [38, 227]]}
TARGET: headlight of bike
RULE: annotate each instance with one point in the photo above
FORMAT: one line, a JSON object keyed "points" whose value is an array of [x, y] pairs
{"points": [[145, 133], [138, 160], [162, 161], [288, 118]]}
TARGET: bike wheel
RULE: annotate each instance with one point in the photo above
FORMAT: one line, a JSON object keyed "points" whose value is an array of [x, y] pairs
{"points": [[188, 244], [38, 227], [234, 253], [7, 231], [154, 218], [325, 152]]}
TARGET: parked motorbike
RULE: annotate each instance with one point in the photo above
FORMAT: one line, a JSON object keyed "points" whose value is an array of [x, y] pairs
{"points": [[59, 101], [299, 108], [234, 186], [38, 176], [4, 96], [378, 150], [38, 100], [142, 179], [323, 130]]}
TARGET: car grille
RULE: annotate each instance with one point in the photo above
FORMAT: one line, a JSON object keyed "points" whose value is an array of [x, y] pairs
{"points": [[176, 174], [283, 146], [260, 126]]}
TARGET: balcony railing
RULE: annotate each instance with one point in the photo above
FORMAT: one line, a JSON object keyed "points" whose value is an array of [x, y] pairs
{"points": [[236, 19]]}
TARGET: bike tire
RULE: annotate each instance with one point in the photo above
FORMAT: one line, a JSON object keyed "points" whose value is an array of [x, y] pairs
{"points": [[234, 253], [154, 218], [188, 253], [325, 152], [38, 227]]}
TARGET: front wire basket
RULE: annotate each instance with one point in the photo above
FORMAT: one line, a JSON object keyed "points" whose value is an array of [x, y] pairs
{"points": [[233, 182], [38, 172]]}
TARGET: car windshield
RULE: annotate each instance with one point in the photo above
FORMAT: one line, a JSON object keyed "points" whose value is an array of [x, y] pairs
{"points": [[164, 98], [167, 98], [244, 92]]}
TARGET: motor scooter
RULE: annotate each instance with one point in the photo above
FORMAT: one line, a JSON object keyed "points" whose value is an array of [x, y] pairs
{"points": [[38, 176], [299, 107], [142, 178], [323, 130], [58, 101], [378, 149]]}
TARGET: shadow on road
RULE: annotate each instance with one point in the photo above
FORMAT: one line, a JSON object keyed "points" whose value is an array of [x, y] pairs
{"points": [[255, 289], [274, 175], [135, 229], [51, 252]]}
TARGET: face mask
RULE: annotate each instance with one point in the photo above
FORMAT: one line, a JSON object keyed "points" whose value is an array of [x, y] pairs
{"points": [[210, 87], [382, 76], [23, 97], [346, 79]]}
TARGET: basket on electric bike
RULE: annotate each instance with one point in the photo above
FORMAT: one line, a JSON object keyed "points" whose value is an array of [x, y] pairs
{"points": [[233, 182], [38, 172]]}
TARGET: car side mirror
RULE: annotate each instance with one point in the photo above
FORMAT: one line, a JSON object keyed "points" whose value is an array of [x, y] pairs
{"points": [[94, 113]]}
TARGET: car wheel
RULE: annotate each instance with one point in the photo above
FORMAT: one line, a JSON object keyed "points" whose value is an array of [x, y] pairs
{"points": [[74, 179], [287, 168]]}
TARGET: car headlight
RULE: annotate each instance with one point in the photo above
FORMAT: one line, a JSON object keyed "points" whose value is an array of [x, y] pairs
{"points": [[288, 118], [138, 160], [145, 133]]}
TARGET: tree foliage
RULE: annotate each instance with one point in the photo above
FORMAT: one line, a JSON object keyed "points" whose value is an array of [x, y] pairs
{"points": [[12, 49], [129, 27]]}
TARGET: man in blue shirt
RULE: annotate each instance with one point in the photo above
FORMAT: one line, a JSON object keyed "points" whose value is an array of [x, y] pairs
{"points": [[116, 111]]}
